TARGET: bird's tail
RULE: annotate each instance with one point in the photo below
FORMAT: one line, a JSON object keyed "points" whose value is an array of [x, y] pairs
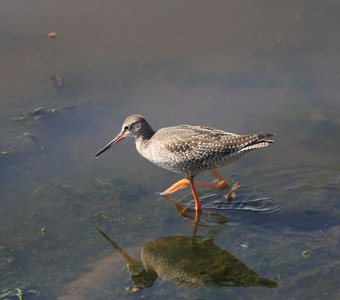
{"points": [[259, 140], [265, 137]]}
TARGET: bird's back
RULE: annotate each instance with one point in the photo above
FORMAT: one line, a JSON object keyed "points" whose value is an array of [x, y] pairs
{"points": [[190, 149]]}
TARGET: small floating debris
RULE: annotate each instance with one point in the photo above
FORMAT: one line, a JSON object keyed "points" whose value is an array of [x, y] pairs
{"points": [[52, 35], [40, 113], [37, 113], [245, 245], [306, 254], [132, 290], [4, 153], [43, 231]]}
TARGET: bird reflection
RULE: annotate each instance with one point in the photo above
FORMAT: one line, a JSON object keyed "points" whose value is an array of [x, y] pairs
{"points": [[188, 262]]}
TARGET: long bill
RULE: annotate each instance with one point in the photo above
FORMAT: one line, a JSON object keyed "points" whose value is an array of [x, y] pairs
{"points": [[116, 140]]}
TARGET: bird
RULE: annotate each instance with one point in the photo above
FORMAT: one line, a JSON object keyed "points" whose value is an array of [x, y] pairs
{"points": [[189, 150]]}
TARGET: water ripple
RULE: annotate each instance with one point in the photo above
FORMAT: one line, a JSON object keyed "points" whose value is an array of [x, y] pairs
{"points": [[245, 201]]}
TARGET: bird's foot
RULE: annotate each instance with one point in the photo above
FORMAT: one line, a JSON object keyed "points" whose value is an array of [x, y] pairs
{"points": [[231, 194], [219, 184]]}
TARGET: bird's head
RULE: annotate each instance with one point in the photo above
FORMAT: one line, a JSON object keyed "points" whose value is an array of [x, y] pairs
{"points": [[134, 126]]}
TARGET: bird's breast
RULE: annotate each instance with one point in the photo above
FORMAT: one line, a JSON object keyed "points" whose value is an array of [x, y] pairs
{"points": [[155, 153]]}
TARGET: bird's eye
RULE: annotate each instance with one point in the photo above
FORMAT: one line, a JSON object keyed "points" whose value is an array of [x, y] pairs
{"points": [[126, 128]]}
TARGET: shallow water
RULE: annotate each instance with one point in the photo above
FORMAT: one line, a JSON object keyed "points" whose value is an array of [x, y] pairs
{"points": [[241, 66]]}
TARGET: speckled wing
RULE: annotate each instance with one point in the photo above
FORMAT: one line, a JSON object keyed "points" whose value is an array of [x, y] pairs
{"points": [[193, 149]]}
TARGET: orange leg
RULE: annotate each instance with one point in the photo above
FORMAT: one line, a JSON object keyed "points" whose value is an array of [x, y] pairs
{"points": [[181, 184], [197, 200], [219, 184], [194, 193]]}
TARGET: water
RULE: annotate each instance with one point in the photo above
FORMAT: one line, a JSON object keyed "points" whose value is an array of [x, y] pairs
{"points": [[236, 65]]}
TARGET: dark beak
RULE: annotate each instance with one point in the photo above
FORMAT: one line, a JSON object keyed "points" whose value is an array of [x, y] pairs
{"points": [[116, 140]]}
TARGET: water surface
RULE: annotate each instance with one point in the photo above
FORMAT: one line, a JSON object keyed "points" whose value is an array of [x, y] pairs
{"points": [[241, 66]]}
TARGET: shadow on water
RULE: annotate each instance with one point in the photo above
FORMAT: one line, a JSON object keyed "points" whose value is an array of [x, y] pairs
{"points": [[188, 262]]}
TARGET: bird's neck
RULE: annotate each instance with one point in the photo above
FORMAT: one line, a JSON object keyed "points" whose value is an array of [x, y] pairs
{"points": [[145, 133], [143, 138]]}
